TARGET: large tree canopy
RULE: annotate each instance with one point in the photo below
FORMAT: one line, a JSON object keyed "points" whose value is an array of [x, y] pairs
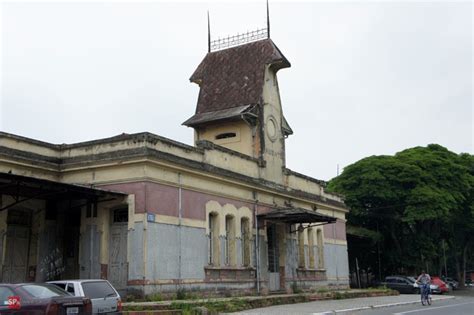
{"points": [[407, 210]]}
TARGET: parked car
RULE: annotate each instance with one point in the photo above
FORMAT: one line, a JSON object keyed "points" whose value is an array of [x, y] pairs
{"points": [[105, 299], [400, 283], [40, 298], [433, 287], [453, 284], [440, 283]]}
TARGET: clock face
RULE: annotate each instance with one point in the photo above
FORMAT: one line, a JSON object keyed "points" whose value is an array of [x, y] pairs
{"points": [[272, 128]]}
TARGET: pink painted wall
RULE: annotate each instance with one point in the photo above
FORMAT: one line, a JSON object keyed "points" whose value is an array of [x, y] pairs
{"points": [[162, 199], [138, 189], [340, 227]]}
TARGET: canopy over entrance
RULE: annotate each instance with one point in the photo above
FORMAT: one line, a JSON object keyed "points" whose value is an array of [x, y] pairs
{"points": [[23, 188], [296, 216]]}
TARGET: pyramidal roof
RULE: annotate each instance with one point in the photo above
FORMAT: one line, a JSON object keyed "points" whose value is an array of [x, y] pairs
{"points": [[234, 77]]}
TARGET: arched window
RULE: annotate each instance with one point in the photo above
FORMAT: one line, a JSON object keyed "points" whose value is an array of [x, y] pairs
{"points": [[311, 248], [230, 256], [245, 236], [213, 245], [319, 237], [301, 258]]}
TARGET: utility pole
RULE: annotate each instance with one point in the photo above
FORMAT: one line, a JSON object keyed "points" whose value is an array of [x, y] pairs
{"points": [[444, 255], [378, 255]]}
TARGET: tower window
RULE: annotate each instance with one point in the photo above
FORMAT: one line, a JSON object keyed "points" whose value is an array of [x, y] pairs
{"points": [[226, 135]]}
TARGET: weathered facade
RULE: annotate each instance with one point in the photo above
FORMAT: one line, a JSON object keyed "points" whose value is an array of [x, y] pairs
{"points": [[153, 215]]}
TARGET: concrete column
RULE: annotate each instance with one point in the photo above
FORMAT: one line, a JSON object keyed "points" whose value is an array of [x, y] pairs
{"points": [[3, 236], [103, 224]]}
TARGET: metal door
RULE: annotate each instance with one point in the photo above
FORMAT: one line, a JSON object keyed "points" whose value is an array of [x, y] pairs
{"points": [[16, 255], [273, 259], [118, 268]]}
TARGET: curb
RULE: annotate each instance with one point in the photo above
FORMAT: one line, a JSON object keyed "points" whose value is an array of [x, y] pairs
{"points": [[371, 307]]}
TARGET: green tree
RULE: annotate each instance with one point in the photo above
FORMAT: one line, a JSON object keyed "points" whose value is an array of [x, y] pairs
{"points": [[406, 206]]}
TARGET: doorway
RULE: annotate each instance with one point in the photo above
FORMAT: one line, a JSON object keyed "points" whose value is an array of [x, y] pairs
{"points": [[273, 259], [17, 246], [118, 267]]}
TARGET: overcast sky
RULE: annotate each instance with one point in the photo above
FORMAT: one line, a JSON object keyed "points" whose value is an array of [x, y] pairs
{"points": [[367, 78]]}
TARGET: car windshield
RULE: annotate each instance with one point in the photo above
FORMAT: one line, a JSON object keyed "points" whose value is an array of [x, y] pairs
{"points": [[98, 289], [43, 290]]}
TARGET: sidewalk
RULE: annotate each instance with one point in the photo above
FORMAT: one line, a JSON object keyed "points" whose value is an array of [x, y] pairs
{"points": [[311, 296], [339, 306]]}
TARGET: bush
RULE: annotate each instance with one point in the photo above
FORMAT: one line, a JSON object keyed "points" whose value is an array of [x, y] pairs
{"points": [[181, 294], [295, 288], [155, 297]]}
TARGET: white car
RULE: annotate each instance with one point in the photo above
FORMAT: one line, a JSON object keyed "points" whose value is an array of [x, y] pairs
{"points": [[105, 299]]}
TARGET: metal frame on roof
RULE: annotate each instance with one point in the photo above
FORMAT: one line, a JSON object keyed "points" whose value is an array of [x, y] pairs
{"points": [[297, 216], [23, 188]]}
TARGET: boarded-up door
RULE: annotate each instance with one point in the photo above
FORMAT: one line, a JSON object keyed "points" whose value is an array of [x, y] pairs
{"points": [[118, 268], [16, 255], [90, 253], [273, 259]]}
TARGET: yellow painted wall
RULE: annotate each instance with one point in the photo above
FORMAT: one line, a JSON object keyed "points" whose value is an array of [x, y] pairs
{"points": [[242, 142]]}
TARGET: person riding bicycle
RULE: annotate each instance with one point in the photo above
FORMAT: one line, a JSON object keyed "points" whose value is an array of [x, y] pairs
{"points": [[424, 280]]}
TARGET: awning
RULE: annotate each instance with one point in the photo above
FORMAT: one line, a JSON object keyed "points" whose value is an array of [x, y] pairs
{"points": [[23, 188], [212, 116], [296, 216]]}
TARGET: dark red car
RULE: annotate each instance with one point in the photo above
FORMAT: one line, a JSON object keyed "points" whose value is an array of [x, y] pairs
{"points": [[440, 283], [41, 299]]}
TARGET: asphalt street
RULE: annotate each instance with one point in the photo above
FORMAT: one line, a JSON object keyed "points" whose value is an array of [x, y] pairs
{"points": [[456, 303], [457, 306]]}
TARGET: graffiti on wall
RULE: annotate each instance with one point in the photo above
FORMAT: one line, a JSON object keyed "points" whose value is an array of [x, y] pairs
{"points": [[52, 266]]}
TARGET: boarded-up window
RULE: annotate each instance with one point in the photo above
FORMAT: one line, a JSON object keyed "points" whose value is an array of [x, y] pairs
{"points": [[230, 257], [301, 256], [311, 248], [319, 236], [245, 232], [213, 244]]}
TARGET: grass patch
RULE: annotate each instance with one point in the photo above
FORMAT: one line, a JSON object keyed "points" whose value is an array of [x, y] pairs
{"points": [[237, 304]]}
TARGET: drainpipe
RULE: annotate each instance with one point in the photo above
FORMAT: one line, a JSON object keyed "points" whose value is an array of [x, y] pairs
{"points": [[91, 251], [145, 242], [257, 249], [334, 241], [179, 227]]}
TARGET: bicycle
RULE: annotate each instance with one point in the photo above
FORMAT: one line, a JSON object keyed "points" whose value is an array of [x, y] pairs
{"points": [[425, 294]]}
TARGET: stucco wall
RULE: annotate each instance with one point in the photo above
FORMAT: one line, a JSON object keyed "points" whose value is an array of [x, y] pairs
{"points": [[242, 142]]}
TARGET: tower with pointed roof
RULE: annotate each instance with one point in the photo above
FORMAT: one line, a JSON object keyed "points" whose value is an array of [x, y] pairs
{"points": [[239, 104]]}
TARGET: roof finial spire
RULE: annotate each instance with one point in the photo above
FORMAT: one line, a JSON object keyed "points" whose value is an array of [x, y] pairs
{"points": [[208, 32], [268, 21]]}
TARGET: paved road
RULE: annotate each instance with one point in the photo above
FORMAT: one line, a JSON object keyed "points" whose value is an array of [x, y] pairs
{"points": [[457, 306], [461, 303]]}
